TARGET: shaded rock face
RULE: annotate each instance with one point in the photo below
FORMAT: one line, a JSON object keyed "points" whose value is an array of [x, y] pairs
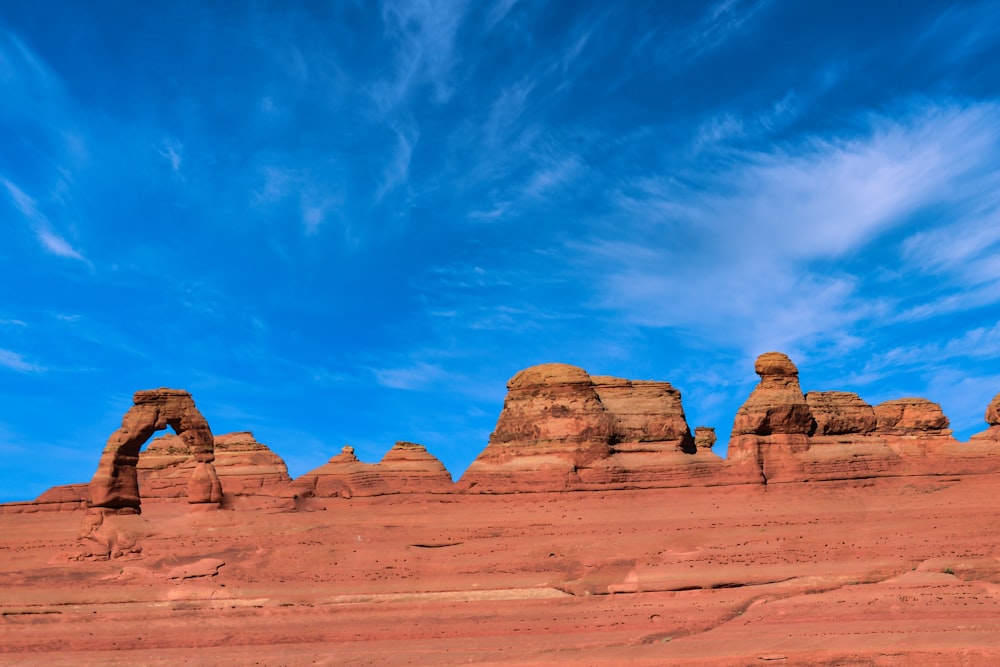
{"points": [[561, 429], [243, 465], [115, 485], [406, 468], [840, 413]]}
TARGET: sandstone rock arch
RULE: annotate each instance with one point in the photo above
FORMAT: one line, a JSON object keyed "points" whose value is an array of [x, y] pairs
{"points": [[115, 485]]}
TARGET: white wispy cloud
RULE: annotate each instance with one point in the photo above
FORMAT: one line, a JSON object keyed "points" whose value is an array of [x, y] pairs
{"points": [[416, 377], [26, 78], [962, 31], [17, 362], [397, 169], [316, 197], [744, 256], [969, 247], [507, 108], [173, 151], [679, 45], [498, 11], [423, 33], [552, 174], [51, 241]]}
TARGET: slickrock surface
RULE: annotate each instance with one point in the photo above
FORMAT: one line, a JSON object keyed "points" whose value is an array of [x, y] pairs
{"points": [[835, 532], [893, 571]]}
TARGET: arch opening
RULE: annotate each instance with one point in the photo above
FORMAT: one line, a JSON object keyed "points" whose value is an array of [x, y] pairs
{"points": [[115, 485]]}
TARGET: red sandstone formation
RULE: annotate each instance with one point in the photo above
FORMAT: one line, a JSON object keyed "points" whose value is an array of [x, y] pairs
{"points": [[561, 429], [836, 435], [911, 416], [993, 411], [773, 424], [993, 419], [890, 561], [244, 466], [406, 468], [115, 484], [840, 413]]}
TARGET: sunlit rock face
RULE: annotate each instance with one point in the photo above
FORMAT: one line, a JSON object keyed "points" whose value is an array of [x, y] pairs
{"points": [[115, 485], [406, 468], [244, 466], [840, 413], [562, 429]]}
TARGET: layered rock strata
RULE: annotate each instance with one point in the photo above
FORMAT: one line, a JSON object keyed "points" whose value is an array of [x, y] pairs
{"points": [[774, 423], [244, 466], [561, 429], [406, 468], [832, 435]]}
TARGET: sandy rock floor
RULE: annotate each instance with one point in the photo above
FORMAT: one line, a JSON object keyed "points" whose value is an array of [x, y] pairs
{"points": [[873, 572]]}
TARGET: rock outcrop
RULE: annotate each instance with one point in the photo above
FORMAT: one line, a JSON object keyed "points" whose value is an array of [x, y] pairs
{"points": [[115, 484], [774, 423], [777, 405], [244, 466], [406, 468], [992, 434], [833, 435], [561, 429], [911, 416], [840, 413]]}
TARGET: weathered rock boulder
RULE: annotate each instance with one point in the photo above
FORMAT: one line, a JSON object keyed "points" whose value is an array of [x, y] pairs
{"points": [[645, 413], [840, 413], [406, 468], [409, 467], [704, 437], [115, 484], [246, 466]]}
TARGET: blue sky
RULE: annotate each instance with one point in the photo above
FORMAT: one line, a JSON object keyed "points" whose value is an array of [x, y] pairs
{"points": [[340, 222]]}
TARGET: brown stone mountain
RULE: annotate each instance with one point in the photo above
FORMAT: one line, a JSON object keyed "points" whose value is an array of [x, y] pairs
{"points": [[594, 528]]}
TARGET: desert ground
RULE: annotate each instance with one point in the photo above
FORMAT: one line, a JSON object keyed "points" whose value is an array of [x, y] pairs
{"points": [[891, 571]]}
